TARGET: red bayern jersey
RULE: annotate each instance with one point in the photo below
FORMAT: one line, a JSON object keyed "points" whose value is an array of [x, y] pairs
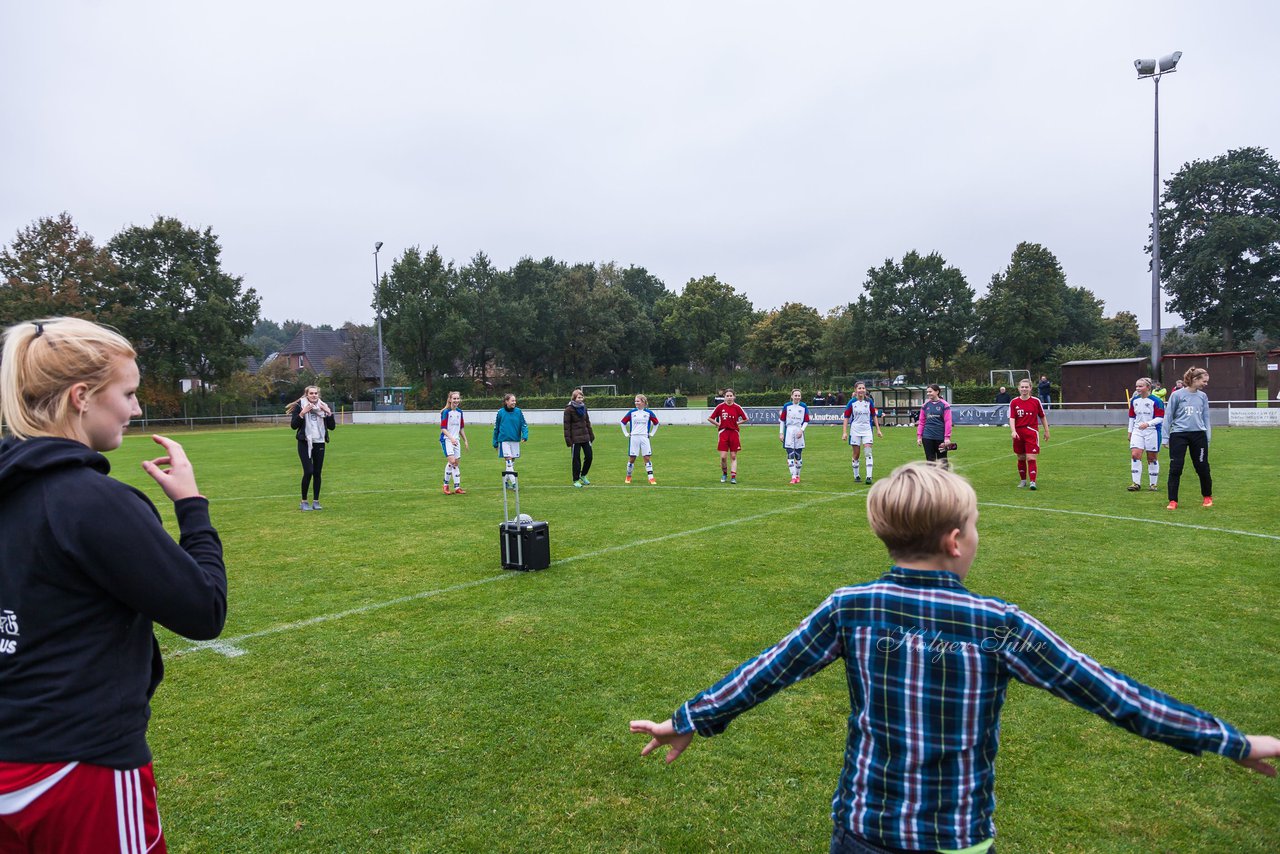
{"points": [[1026, 413], [727, 415]]}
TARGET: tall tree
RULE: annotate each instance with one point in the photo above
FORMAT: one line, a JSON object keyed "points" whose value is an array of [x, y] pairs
{"points": [[1023, 312], [489, 316], [711, 320], [422, 327], [844, 340], [190, 318], [786, 340], [1220, 244], [53, 269], [1121, 332], [1082, 312], [919, 309], [534, 343]]}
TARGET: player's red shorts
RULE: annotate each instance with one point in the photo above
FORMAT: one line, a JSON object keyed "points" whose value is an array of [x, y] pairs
{"points": [[78, 808], [1027, 441], [730, 441]]}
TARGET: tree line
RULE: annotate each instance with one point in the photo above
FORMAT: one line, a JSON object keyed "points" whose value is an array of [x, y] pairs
{"points": [[548, 321]]}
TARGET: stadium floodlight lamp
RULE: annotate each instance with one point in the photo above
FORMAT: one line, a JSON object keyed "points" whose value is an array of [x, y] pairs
{"points": [[382, 368], [1152, 69]]}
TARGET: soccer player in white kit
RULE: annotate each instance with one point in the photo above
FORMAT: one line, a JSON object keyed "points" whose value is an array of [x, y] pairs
{"points": [[638, 426], [453, 435], [859, 417], [793, 418], [1146, 415]]}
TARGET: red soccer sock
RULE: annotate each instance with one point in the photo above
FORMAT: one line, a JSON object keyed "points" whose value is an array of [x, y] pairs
{"points": [[1022, 469], [1031, 470]]}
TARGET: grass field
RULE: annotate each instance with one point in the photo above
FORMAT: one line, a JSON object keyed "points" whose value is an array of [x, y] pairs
{"points": [[384, 686]]}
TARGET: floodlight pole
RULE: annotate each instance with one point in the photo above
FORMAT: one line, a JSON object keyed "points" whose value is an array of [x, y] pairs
{"points": [[1155, 244], [1154, 69], [382, 370]]}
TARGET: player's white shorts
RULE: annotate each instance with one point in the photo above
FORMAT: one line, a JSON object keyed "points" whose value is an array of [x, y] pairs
{"points": [[859, 438], [1145, 440], [509, 450], [451, 445], [640, 447], [794, 439]]}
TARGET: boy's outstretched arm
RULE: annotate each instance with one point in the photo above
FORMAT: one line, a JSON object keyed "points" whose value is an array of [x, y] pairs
{"points": [[665, 733], [1260, 747]]}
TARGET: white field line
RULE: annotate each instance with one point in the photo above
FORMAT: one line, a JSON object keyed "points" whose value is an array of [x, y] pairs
{"points": [[229, 646], [1168, 522]]}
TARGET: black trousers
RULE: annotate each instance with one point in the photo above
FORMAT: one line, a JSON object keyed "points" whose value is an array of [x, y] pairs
{"points": [[581, 459], [312, 465], [1198, 443], [931, 452]]}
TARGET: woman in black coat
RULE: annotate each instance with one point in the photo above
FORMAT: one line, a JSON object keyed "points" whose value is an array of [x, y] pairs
{"points": [[579, 436], [312, 419]]}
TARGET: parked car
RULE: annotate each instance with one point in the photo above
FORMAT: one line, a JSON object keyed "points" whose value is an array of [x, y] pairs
{"points": [[899, 380]]}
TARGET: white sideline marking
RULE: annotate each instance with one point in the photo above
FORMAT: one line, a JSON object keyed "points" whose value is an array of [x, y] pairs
{"points": [[229, 648], [1168, 522]]}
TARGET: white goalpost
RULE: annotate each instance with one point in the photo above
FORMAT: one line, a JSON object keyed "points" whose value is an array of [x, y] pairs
{"points": [[1011, 373], [611, 390]]}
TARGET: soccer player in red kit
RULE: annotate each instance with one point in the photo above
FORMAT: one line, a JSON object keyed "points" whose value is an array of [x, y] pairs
{"points": [[1025, 412], [727, 416]]}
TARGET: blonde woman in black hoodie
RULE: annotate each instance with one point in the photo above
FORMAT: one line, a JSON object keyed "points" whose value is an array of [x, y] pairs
{"points": [[85, 567]]}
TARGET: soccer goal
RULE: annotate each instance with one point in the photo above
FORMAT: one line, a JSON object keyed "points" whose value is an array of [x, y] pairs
{"points": [[1013, 375], [588, 390]]}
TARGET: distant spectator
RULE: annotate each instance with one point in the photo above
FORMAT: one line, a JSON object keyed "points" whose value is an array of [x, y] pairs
{"points": [[1003, 396], [820, 398], [1044, 388], [670, 402], [719, 398]]}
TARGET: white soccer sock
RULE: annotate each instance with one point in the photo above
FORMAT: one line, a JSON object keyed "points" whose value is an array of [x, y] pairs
{"points": [[631, 467], [1135, 469], [869, 461], [857, 468], [457, 476], [448, 467], [648, 467], [1153, 472]]}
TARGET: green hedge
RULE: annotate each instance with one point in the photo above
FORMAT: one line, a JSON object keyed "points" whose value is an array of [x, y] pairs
{"points": [[757, 398], [560, 401], [977, 393]]}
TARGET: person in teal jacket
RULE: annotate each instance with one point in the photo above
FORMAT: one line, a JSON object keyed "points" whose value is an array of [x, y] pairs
{"points": [[509, 430]]}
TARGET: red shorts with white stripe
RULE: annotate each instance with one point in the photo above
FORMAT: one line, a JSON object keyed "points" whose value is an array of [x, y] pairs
{"points": [[730, 441], [77, 808], [1028, 441]]}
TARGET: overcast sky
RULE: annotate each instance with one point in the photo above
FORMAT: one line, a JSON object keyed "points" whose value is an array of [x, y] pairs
{"points": [[785, 148]]}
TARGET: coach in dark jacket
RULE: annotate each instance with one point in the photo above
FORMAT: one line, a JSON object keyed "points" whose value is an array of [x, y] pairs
{"points": [[579, 436]]}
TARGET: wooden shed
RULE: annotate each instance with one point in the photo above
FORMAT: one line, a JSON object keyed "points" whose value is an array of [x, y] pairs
{"points": [[1101, 380], [1231, 375]]}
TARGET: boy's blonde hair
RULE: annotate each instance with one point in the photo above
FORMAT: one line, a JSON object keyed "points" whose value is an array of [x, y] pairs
{"points": [[915, 506], [43, 359]]}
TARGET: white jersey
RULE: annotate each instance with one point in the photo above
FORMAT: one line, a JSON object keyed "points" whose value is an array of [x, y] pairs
{"points": [[640, 422], [451, 422], [792, 420], [1148, 410], [861, 415]]}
